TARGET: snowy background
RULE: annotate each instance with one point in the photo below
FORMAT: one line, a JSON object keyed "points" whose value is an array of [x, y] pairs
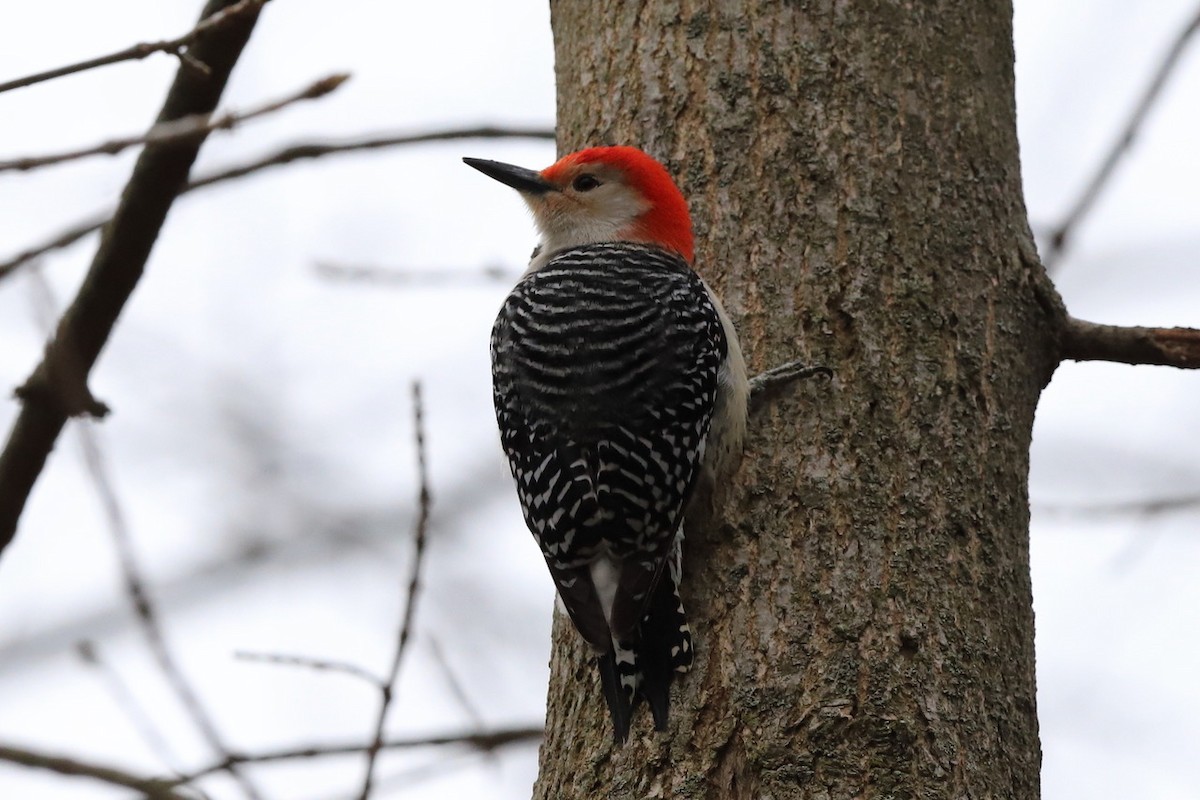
{"points": [[261, 443]]}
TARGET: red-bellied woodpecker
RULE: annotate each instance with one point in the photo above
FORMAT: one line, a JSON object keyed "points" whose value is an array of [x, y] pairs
{"points": [[618, 380]]}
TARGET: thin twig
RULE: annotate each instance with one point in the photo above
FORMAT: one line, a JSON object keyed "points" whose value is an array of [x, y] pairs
{"points": [[325, 535], [128, 702], [72, 392], [152, 788], [453, 682], [387, 689], [147, 614], [158, 176], [310, 150], [393, 276], [1061, 234], [176, 47], [195, 126], [1151, 507], [407, 778], [317, 664], [479, 740], [293, 153], [1137, 546], [1171, 347], [62, 239], [131, 575]]}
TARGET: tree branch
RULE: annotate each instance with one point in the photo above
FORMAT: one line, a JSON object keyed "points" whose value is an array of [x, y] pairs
{"points": [[127, 700], [135, 585], [309, 150], [152, 788], [480, 740], [1061, 234], [1171, 347], [315, 664], [195, 126], [1151, 507], [457, 689], [297, 152], [46, 306], [177, 47], [62, 239], [159, 175], [386, 688], [396, 276], [325, 536]]}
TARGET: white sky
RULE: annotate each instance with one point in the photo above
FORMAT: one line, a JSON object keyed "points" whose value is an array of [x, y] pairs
{"points": [[259, 404]]}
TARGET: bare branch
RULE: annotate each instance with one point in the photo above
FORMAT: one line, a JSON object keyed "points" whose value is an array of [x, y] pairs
{"points": [[453, 682], [317, 664], [387, 688], [1171, 347], [297, 152], [176, 47], [1061, 234], [63, 239], [1151, 507], [159, 175], [326, 535], [128, 702], [71, 391], [154, 789], [393, 276], [147, 614], [407, 778], [135, 585], [310, 150], [485, 741], [196, 126]]}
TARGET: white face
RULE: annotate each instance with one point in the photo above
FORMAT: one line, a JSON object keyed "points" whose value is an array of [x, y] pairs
{"points": [[594, 205]]}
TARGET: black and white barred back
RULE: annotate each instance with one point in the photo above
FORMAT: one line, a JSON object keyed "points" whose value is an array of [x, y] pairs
{"points": [[605, 366]]}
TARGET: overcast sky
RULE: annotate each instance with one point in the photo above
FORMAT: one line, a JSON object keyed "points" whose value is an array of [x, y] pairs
{"points": [[261, 440]]}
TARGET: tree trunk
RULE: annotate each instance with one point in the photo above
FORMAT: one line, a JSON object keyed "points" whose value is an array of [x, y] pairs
{"points": [[862, 606]]}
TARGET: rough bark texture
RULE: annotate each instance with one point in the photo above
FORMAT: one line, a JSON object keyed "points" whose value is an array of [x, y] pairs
{"points": [[862, 609]]}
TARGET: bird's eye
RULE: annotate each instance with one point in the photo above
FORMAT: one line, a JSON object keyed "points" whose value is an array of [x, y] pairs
{"points": [[585, 183]]}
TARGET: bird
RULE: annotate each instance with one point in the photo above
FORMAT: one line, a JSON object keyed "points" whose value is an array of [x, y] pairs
{"points": [[619, 385]]}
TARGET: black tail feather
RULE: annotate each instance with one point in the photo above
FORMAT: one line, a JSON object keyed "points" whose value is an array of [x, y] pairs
{"points": [[614, 695], [644, 666], [664, 649], [656, 688]]}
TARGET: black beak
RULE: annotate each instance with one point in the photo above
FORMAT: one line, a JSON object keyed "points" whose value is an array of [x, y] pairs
{"points": [[519, 178]]}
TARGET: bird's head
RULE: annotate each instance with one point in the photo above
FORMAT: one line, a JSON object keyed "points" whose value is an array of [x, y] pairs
{"points": [[601, 194]]}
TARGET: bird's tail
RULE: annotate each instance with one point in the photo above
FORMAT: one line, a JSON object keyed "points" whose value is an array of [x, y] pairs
{"points": [[665, 645], [643, 669], [616, 695]]}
